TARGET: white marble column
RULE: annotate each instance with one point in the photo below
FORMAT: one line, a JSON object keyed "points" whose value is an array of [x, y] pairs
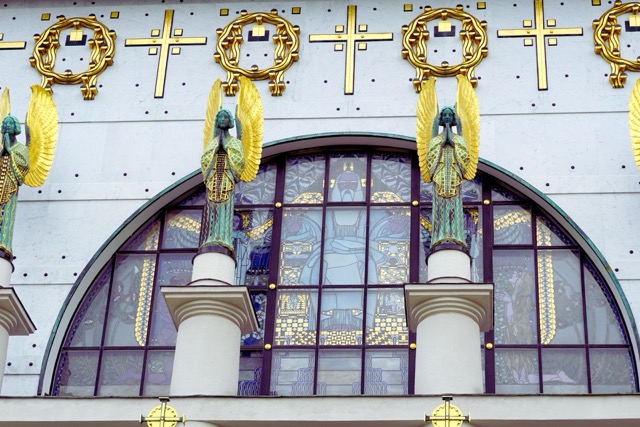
{"points": [[210, 315], [448, 313]]}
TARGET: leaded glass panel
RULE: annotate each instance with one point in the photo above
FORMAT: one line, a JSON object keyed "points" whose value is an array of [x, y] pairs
{"points": [[341, 317], [252, 234], [174, 270], [120, 373], [250, 377], [515, 297], [86, 329], [386, 319], [339, 372], [77, 372], [391, 178], [195, 199], [564, 371], [347, 174], [560, 297], [501, 194], [344, 247], [517, 371], [603, 324], [611, 371], [304, 179], [548, 234], [301, 236], [145, 239], [292, 373], [389, 245], [296, 317], [259, 301], [130, 300], [261, 190], [158, 371], [511, 225], [182, 229], [386, 372]]}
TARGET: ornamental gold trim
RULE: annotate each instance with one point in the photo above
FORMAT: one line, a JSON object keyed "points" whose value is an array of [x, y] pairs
{"points": [[473, 34], [286, 41], [606, 37], [102, 52]]}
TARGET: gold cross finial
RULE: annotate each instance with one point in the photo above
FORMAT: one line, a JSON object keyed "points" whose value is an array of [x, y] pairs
{"points": [[163, 415], [163, 40], [447, 415], [11, 45], [350, 36], [540, 30]]}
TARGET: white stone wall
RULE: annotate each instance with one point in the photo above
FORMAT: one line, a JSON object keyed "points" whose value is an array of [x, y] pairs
{"points": [[122, 148]]}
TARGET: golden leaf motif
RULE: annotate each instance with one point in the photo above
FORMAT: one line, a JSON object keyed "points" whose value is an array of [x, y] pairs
{"points": [[42, 135]]}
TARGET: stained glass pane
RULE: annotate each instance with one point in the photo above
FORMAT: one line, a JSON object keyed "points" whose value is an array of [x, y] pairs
{"points": [[341, 318], [564, 371], [292, 373], [145, 239], [549, 234], [391, 176], [304, 179], [196, 199], [77, 373], [344, 246], [120, 373], [130, 301], [250, 376], [175, 269], [611, 371], [252, 232], [386, 372], [386, 320], [605, 327], [560, 297], [86, 329], [296, 317], [348, 173], [339, 372], [517, 371], [260, 307], [389, 245], [515, 298], [261, 190], [300, 247], [158, 371], [500, 194], [511, 225], [182, 229]]}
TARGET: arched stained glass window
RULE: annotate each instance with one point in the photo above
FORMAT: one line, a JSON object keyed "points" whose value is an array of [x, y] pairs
{"points": [[353, 227]]}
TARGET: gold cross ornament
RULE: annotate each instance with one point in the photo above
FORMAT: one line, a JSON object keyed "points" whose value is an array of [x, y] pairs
{"points": [[163, 415], [447, 415], [162, 41], [11, 45], [350, 36], [541, 32]]}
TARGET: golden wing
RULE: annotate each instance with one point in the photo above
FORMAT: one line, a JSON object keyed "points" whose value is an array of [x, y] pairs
{"points": [[213, 106], [469, 113], [42, 135], [634, 121], [426, 113], [5, 105], [250, 115]]}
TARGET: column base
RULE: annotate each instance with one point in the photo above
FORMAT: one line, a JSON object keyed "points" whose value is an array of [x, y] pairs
{"points": [[213, 269], [449, 266]]}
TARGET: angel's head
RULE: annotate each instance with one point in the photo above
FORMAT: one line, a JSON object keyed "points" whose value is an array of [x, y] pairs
{"points": [[224, 119], [447, 117], [11, 125]]}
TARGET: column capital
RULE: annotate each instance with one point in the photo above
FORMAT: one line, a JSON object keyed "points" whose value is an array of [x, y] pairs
{"points": [[472, 300], [13, 316], [231, 302]]}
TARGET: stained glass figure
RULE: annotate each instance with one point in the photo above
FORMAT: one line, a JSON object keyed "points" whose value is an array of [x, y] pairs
{"points": [[341, 317], [348, 173], [252, 232], [300, 248], [344, 247], [391, 178], [389, 245]]}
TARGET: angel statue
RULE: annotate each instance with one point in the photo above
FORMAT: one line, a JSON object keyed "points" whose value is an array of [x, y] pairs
{"points": [[20, 163], [227, 160], [446, 158]]}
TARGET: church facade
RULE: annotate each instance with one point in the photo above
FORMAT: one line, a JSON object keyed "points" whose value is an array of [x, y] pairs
{"points": [[332, 236]]}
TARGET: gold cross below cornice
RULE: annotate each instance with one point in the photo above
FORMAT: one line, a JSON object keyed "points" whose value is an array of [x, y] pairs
{"points": [[162, 40], [350, 36], [541, 31], [11, 45]]}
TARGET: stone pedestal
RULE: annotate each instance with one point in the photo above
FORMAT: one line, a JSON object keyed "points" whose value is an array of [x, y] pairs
{"points": [[449, 266], [212, 268], [14, 320]]}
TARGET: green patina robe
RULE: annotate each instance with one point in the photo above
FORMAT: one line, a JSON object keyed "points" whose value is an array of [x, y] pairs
{"points": [[221, 170], [13, 169], [446, 165]]}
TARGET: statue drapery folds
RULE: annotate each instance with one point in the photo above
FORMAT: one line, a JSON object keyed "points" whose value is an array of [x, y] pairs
{"points": [[447, 158], [226, 160], [20, 163]]}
